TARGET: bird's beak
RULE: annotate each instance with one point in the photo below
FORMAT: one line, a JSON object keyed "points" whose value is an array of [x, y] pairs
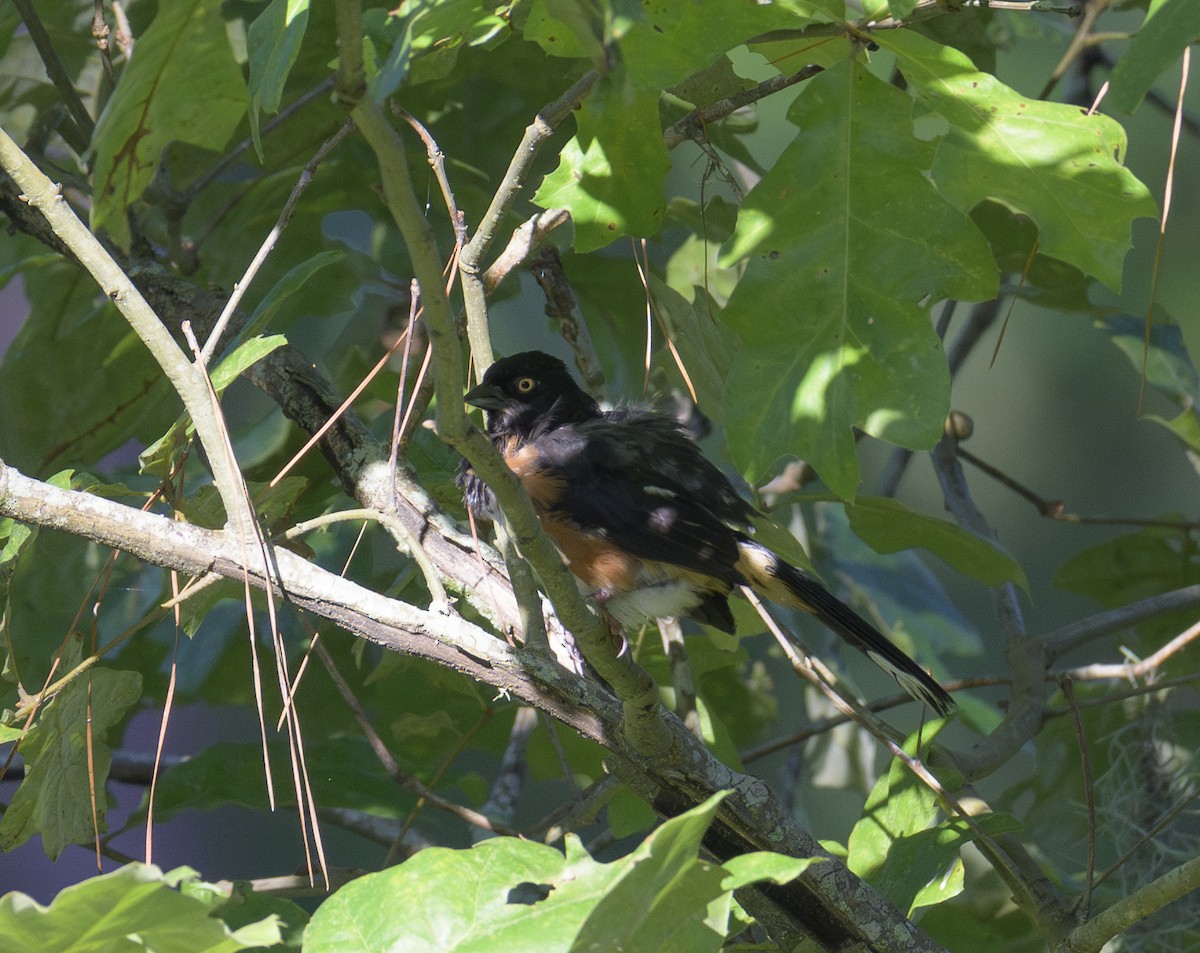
{"points": [[486, 397]]}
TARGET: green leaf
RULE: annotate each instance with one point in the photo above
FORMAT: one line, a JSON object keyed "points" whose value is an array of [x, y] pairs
{"points": [[244, 356], [611, 174], [1048, 160], [273, 42], [897, 847], [423, 39], [133, 908], [764, 866], [1168, 368], [1169, 28], [1048, 282], [54, 800], [567, 28], [704, 345], [899, 804], [715, 82], [1153, 560], [161, 456], [75, 346], [288, 286], [507, 894], [183, 85], [830, 308], [924, 869], [888, 526], [245, 908], [14, 535]]}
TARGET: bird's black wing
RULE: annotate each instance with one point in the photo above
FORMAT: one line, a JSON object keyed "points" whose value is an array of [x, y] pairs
{"points": [[637, 479]]}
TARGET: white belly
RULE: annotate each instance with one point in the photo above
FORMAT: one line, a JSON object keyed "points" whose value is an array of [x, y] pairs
{"points": [[661, 600]]}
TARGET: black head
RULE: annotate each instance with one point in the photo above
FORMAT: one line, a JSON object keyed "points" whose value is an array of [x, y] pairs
{"points": [[530, 391]]}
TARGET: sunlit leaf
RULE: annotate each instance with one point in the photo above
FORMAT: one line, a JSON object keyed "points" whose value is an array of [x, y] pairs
{"points": [[517, 895], [108, 912], [830, 309], [1060, 167]]}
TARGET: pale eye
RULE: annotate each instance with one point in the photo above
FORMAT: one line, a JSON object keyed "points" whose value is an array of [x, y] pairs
{"points": [[525, 385]]}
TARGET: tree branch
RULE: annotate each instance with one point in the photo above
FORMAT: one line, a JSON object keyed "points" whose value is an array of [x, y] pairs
{"points": [[1026, 654], [828, 901], [1072, 636], [189, 382], [1171, 886], [632, 683]]}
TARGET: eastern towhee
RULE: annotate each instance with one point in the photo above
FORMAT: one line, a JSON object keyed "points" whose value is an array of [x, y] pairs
{"points": [[649, 526]]}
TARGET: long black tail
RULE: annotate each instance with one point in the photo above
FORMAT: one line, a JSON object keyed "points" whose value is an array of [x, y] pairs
{"points": [[781, 582]]}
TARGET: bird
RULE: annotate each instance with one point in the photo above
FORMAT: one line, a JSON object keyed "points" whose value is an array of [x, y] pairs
{"points": [[649, 526]]}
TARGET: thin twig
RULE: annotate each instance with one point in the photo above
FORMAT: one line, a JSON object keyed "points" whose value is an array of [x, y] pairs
{"points": [[437, 162], [576, 813], [211, 174], [388, 761], [1168, 192], [1025, 654], [433, 581], [1145, 667], [124, 34], [526, 237], [548, 271], [79, 127], [1056, 509], [403, 407], [692, 126], [1191, 122], [470, 262], [1072, 636], [529, 602], [289, 885], [652, 312], [1091, 10], [162, 726], [101, 33], [1091, 936], [430, 798], [285, 216], [1045, 907], [334, 417], [827, 724]]}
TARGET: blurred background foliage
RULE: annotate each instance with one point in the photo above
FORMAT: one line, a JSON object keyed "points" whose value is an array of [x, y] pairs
{"points": [[815, 256]]}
